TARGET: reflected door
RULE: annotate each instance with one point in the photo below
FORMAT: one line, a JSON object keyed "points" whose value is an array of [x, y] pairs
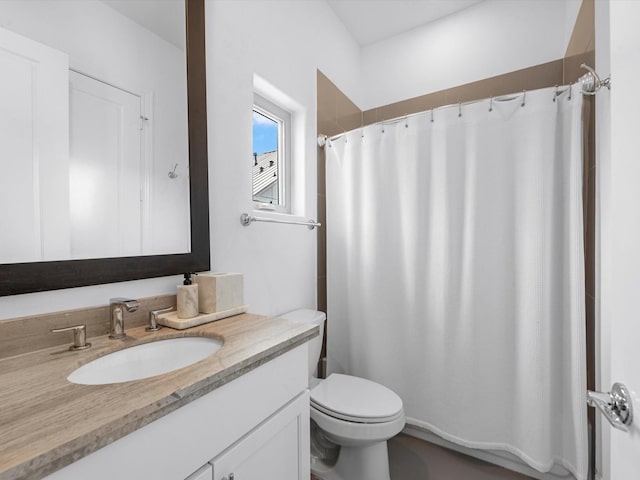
{"points": [[105, 169], [33, 148]]}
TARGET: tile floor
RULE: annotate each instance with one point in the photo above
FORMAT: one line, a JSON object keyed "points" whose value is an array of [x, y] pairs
{"points": [[414, 459]]}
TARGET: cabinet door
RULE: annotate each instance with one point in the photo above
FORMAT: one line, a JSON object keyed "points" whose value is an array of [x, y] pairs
{"points": [[276, 449]]}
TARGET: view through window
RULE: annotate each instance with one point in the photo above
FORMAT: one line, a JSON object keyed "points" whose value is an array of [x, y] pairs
{"points": [[267, 147], [271, 158]]}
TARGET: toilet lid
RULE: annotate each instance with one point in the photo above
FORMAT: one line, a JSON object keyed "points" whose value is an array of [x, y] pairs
{"points": [[356, 399]]}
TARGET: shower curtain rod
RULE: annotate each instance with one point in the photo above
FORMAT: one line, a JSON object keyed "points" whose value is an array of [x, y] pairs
{"points": [[590, 83]]}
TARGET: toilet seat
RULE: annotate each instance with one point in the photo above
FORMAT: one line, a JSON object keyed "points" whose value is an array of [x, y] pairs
{"points": [[355, 399]]}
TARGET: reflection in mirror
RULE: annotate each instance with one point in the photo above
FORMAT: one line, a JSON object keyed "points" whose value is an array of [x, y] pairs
{"points": [[93, 136], [21, 276]]}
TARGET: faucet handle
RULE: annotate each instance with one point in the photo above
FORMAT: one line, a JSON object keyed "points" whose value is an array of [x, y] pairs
{"points": [[79, 336], [153, 319], [130, 304]]}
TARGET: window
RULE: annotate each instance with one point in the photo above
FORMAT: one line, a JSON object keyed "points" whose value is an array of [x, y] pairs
{"points": [[271, 153]]}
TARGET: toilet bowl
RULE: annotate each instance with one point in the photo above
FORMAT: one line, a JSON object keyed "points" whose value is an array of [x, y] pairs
{"points": [[354, 414]]}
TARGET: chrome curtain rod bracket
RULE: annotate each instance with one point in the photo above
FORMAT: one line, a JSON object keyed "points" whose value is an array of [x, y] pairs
{"points": [[246, 220], [591, 82]]}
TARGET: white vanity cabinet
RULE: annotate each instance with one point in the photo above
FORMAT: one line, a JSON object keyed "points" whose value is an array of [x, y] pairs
{"points": [[277, 449], [255, 427]]}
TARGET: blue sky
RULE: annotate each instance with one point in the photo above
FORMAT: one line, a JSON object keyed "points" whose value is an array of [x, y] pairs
{"points": [[265, 134]]}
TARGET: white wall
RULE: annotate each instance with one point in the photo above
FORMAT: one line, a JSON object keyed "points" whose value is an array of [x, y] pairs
{"points": [[283, 42], [485, 40]]}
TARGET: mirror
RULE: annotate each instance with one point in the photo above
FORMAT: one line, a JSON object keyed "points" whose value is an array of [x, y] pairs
{"points": [[169, 144]]}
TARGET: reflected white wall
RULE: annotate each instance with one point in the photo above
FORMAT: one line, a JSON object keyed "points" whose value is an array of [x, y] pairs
{"points": [[110, 47]]}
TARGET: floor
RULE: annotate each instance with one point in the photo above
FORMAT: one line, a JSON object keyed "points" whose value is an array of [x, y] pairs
{"points": [[414, 459]]}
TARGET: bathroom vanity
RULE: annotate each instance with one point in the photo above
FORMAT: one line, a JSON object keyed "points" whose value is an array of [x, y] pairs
{"points": [[240, 413]]}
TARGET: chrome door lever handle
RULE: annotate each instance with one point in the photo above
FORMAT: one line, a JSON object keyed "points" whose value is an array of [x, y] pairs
{"points": [[616, 405]]}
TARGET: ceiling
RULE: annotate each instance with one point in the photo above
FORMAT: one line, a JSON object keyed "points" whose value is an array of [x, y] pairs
{"points": [[370, 21], [165, 18]]}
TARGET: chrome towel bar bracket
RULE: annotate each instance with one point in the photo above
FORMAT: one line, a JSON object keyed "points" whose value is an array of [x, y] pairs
{"points": [[616, 405]]}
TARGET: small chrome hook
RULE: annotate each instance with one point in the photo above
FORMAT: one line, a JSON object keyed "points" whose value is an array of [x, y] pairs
{"points": [[491, 104], [172, 173], [459, 109], [524, 98]]}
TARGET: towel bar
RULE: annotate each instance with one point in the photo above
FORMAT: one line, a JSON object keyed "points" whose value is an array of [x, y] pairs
{"points": [[246, 219]]}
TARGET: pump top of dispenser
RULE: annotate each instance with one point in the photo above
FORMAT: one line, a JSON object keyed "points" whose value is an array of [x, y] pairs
{"points": [[187, 279]]}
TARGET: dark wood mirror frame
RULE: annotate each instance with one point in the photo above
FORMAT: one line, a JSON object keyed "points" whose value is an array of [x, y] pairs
{"points": [[18, 278]]}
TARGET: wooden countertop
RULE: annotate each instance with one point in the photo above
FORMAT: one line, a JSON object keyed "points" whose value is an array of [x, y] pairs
{"points": [[46, 422]]}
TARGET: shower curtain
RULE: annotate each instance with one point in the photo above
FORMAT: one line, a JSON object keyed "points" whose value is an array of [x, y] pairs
{"points": [[456, 271]]}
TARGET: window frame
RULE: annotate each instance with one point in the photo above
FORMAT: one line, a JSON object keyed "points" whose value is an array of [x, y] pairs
{"points": [[283, 118]]}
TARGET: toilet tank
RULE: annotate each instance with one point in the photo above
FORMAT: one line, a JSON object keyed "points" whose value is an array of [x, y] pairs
{"points": [[314, 317]]}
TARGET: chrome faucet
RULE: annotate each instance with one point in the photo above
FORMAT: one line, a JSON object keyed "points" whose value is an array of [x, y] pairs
{"points": [[117, 307]]}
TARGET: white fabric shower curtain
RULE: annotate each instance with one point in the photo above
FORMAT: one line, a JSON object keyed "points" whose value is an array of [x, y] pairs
{"points": [[456, 272]]}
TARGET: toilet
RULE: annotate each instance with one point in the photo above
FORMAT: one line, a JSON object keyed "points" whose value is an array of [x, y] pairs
{"points": [[351, 418]]}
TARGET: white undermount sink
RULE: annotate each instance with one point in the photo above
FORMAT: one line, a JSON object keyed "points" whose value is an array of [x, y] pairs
{"points": [[146, 360]]}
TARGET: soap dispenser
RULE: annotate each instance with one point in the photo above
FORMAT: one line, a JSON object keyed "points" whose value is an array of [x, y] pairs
{"points": [[187, 298]]}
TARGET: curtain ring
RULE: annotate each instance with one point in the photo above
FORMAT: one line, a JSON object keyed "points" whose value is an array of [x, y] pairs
{"points": [[459, 109], [491, 104], [524, 98]]}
